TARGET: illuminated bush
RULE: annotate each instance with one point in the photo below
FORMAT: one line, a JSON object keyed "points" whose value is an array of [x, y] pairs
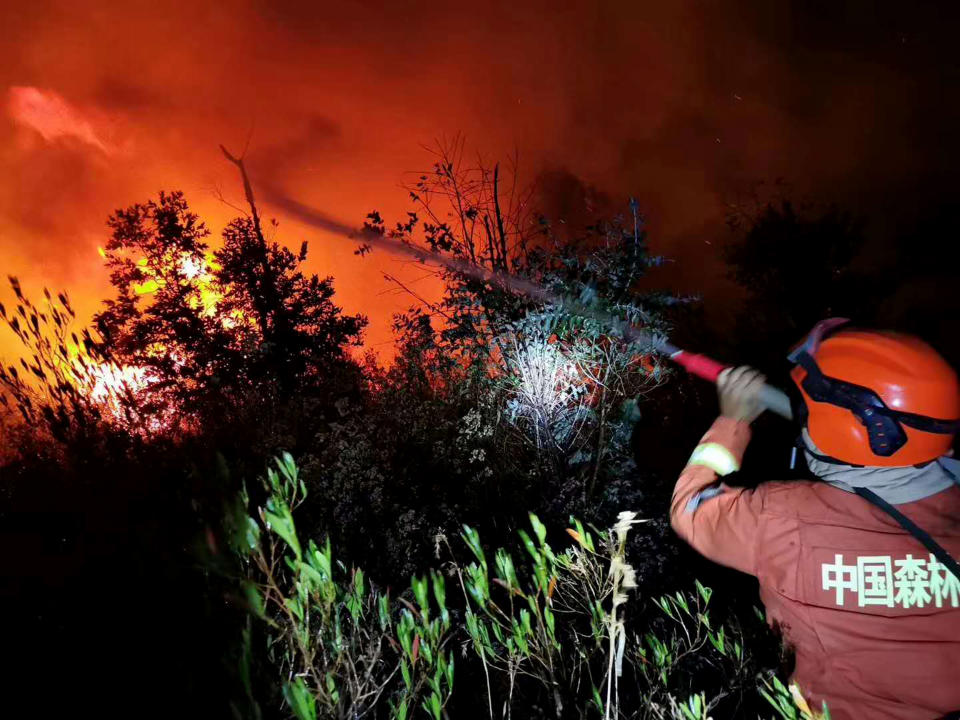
{"points": [[572, 390]]}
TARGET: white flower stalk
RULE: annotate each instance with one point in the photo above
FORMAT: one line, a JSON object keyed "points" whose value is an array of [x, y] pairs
{"points": [[625, 520], [624, 578]]}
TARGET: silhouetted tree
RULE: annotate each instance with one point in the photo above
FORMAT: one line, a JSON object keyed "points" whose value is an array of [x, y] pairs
{"points": [[919, 278], [454, 430], [210, 328], [164, 318], [299, 329]]}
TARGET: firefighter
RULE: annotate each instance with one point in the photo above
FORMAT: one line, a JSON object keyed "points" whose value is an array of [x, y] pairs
{"points": [[855, 566]]}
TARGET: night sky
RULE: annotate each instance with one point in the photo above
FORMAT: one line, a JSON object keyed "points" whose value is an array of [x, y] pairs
{"points": [[687, 105]]}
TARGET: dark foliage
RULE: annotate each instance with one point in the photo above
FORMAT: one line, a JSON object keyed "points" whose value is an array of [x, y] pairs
{"points": [[796, 266], [113, 499], [800, 263]]}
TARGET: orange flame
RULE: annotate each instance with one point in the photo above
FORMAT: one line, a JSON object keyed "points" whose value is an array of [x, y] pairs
{"points": [[109, 384]]}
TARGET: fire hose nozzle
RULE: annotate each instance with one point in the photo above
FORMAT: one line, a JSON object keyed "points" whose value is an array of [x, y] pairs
{"points": [[776, 401], [773, 399]]}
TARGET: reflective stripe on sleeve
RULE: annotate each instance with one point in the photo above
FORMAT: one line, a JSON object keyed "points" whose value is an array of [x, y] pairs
{"points": [[716, 457]]}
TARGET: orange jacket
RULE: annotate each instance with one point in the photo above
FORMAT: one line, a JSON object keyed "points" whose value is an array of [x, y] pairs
{"points": [[873, 618]]}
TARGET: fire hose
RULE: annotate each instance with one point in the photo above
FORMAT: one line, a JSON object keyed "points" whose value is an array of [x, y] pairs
{"points": [[772, 398]]}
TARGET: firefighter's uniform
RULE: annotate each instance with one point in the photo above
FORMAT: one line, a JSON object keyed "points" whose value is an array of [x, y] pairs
{"points": [[873, 619], [872, 615]]}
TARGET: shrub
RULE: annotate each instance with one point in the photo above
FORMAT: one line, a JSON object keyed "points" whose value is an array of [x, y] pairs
{"points": [[346, 649], [338, 646], [64, 398]]}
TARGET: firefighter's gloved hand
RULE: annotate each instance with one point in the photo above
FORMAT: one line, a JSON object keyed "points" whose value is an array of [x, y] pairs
{"points": [[739, 390]]}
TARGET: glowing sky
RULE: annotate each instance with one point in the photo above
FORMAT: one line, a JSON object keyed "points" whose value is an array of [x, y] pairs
{"points": [[685, 104]]}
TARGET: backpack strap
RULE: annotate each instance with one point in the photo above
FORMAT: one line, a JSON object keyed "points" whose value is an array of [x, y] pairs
{"points": [[911, 527], [923, 536]]}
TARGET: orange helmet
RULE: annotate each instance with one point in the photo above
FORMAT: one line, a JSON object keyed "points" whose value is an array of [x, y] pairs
{"points": [[875, 398]]}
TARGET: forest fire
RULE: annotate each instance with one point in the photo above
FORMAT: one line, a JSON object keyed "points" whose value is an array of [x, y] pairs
{"points": [[65, 373], [106, 383], [558, 253], [83, 371], [191, 271], [111, 388], [195, 273]]}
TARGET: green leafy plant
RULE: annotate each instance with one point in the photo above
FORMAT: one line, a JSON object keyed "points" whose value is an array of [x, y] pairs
{"points": [[557, 620], [553, 620], [788, 702], [345, 648], [663, 657]]}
